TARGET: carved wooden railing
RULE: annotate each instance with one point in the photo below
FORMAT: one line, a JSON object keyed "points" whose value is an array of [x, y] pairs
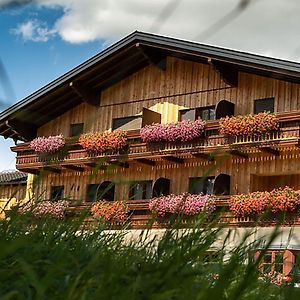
{"points": [[288, 133]]}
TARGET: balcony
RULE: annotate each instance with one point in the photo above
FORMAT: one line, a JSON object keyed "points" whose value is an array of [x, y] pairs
{"points": [[141, 218], [77, 159]]}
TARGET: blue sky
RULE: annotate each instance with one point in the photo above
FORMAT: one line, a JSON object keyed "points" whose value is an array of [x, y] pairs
{"points": [[44, 39], [30, 65]]}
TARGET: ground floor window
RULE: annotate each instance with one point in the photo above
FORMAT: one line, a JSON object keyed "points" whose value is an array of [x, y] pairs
{"points": [[201, 185], [57, 193], [102, 191]]}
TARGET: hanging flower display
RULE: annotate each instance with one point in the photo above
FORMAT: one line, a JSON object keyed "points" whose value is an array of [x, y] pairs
{"points": [[182, 131], [278, 200], [49, 144], [112, 212], [249, 125], [103, 141], [186, 204], [52, 209]]}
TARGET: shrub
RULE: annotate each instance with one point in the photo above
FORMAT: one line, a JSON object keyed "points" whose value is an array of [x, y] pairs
{"points": [[186, 204], [103, 141], [49, 144], [182, 131], [46, 208], [110, 211], [278, 200], [249, 125]]}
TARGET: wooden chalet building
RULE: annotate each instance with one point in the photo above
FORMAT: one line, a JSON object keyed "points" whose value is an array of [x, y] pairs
{"points": [[146, 78]]}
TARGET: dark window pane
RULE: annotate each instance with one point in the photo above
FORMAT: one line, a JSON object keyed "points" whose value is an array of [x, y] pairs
{"points": [[127, 123], [264, 105], [206, 113], [188, 115], [140, 190], [76, 129], [201, 185], [57, 192], [103, 191]]}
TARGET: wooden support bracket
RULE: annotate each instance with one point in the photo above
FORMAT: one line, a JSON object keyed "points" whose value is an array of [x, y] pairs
{"points": [[239, 153], [23, 130], [174, 159], [73, 168], [204, 156], [154, 57], [86, 95], [270, 150], [145, 161], [52, 170], [119, 163], [228, 73]]}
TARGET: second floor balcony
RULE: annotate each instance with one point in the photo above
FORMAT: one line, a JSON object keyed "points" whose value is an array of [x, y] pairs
{"points": [[210, 144]]}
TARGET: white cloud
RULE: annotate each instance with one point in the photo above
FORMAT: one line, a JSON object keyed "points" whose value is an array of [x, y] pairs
{"points": [[34, 30], [266, 26]]}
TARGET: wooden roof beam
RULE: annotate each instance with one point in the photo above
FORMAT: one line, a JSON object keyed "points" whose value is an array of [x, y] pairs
{"points": [[145, 161], [239, 153], [174, 159], [154, 57], [228, 73], [86, 95], [25, 131], [270, 150]]}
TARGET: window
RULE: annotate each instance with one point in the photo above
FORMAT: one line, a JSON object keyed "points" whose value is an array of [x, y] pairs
{"points": [[76, 129], [140, 190], [127, 123], [272, 261], [204, 185], [204, 113], [57, 193], [103, 191], [264, 105]]}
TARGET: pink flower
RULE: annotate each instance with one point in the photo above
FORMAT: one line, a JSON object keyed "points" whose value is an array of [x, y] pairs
{"points": [[49, 144], [186, 204], [182, 131]]}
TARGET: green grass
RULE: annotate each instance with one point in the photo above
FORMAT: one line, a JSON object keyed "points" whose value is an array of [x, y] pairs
{"points": [[50, 259]]}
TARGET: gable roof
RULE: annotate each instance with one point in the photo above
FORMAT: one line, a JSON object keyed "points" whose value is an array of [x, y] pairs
{"points": [[135, 51]]}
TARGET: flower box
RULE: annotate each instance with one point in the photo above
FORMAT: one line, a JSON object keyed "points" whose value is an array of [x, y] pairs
{"points": [[54, 209], [277, 201], [185, 204], [100, 142], [249, 125], [182, 131], [112, 212], [47, 145]]}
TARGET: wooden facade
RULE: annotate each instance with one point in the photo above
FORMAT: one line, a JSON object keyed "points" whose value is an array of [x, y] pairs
{"points": [[186, 81]]}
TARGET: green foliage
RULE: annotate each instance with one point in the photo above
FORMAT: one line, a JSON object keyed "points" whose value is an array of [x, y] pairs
{"points": [[53, 259]]}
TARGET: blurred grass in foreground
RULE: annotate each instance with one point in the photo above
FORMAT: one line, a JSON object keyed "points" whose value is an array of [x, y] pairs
{"points": [[50, 259]]}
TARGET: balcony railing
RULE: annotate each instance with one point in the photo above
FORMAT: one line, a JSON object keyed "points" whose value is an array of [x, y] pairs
{"points": [[288, 134], [140, 216]]}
